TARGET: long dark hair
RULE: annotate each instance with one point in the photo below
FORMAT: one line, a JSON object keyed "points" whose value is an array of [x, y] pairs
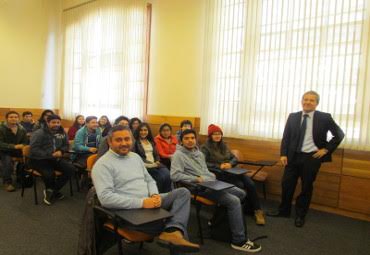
{"points": [[132, 120], [107, 125], [221, 145], [41, 119], [76, 124], [137, 132]]}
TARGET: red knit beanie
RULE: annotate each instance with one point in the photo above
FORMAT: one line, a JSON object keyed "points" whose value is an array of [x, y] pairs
{"points": [[213, 128]]}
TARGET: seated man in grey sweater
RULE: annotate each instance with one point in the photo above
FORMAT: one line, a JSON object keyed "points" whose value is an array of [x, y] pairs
{"points": [[188, 164], [122, 182]]}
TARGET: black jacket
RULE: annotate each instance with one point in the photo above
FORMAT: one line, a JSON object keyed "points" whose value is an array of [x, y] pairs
{"points": [[217, 154], [44, 143], [8, 139], [322, 124]]}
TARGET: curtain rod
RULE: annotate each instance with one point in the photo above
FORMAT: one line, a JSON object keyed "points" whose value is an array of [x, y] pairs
{"points": [[79, 5]]}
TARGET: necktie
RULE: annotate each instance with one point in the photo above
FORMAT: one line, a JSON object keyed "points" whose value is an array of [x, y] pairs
{"points": [[302, 132]]}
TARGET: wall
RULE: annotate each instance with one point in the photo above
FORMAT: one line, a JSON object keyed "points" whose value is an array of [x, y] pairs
{"points": [[29, 53], [176, 57]]}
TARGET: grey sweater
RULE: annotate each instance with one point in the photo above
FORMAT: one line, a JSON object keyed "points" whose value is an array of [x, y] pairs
{"points": [[122, 182], [187, 165]]}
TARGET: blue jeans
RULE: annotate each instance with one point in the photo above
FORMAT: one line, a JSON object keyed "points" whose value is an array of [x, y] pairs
{"points": [[231, 199], [244, 182], [7, 164], [161, 175], [177, 202]]}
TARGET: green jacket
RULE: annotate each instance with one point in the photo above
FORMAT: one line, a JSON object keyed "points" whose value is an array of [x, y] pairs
{"points": [[8, 139]]}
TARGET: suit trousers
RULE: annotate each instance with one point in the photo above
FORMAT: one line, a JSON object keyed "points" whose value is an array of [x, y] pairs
{"points": [[305, 167]]}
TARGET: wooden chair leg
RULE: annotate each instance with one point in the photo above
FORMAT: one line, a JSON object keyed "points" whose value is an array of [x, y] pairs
{"points": [[197, 207]]}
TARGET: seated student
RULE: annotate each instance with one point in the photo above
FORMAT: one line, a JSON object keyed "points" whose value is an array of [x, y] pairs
{"points": [[188, 164], [42, 122], [27, 122], [104, 125], [46, 155], [145, 147], [185, 124], [134, 124], [77, 124], [165, 144], [87, 141], [122, 182], [103, 146], [12, 139], [219, 157]]}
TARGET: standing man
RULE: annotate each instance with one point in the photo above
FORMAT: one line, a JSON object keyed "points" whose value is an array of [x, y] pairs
{"points": [[303, 148], [48, 144], [13, 137]]}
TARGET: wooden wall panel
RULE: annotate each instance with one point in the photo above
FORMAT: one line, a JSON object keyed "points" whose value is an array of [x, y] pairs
{"points": [[342, 186], [36, 112], [355, 194], [356, 163]]}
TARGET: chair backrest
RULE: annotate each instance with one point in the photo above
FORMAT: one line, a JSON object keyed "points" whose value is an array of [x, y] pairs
{"points": [[238, 154], [90, 162]]}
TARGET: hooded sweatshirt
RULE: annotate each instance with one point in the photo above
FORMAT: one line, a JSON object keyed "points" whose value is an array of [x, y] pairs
{"points": [[44, 143], [188, 165]]}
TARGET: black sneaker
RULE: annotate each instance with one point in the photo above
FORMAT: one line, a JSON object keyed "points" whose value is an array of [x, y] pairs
{"points": [[48, 196], [58, 195], [248, 246]]}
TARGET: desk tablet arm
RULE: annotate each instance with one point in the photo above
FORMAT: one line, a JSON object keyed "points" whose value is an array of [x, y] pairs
{"points": [[260, 163]]}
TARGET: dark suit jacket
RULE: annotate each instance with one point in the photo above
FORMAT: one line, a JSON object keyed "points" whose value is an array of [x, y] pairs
{"points": [[322, 123]]}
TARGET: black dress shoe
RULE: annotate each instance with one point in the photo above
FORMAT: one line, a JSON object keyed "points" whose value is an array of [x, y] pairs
{"points": [[299, 222], [277, 213]]}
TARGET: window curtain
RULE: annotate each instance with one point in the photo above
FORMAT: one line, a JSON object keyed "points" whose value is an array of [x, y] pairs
{"points": [[105, 58], [262, 55]]}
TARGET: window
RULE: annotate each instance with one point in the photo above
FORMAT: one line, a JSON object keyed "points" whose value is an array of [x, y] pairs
{"points": [[105, 58], [261, 56]]}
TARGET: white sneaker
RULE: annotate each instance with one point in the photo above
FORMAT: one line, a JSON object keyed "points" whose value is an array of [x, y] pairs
{"points": [[248, 246]]}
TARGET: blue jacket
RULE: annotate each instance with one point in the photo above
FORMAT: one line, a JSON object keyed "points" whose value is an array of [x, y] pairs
{"points": [[81, 139]]}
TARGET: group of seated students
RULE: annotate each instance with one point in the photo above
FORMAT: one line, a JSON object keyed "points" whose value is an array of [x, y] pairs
{"points": [[135, 169]]}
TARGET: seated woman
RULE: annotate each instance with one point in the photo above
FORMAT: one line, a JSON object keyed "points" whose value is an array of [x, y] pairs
{"points": [[134, 123], [145, 147], [42, 122], [219, 157], [104, 125], [165, 144], [77, 124]]}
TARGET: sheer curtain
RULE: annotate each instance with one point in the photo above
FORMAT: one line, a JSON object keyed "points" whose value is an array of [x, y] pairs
{"points": [[262, 55], [105, 58]]}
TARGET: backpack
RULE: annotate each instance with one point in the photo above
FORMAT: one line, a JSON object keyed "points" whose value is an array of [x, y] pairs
{"points": [[23, 176], [219, 225]]}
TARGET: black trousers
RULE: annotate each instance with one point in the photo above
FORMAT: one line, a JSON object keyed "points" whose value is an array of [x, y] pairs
{"points": [[305, 167], [47, 168]]}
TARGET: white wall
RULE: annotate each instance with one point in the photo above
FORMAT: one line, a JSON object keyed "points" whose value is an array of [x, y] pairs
{"points": [[29, 50], [176, 57], [30, 53]]}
